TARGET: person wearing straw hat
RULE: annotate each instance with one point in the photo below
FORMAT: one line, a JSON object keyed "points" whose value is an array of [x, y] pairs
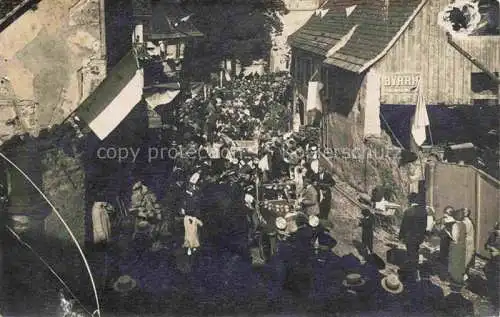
{"points": [[124, 284], [392, 298], [353, 280], [353, 293], [392, 284]]}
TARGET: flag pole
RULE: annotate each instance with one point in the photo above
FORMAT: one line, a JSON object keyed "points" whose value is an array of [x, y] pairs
{"points": [[430, 135]]}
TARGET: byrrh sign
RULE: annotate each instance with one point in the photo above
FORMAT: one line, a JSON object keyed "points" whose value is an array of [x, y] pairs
{"points": [[399, 82]]}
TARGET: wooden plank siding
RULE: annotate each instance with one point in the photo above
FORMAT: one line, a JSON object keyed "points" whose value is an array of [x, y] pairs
{"points": [[304, 67], [445, 73]]}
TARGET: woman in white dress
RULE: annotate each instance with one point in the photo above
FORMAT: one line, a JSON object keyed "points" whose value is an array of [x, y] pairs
{"points": [[299, 174]]}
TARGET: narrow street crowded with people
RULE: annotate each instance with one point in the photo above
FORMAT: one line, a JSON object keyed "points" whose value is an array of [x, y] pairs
{"points": [[255, 158]]}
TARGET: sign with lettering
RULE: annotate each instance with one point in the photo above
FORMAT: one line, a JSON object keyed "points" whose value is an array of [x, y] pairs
{"points": [[250, 146], [399, 83]]}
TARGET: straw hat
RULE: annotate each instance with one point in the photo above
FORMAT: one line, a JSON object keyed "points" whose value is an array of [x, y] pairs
{"points": [[143, 225], [313, 221], [124, 284], [281, 223], [392, 284], [352, 280]]}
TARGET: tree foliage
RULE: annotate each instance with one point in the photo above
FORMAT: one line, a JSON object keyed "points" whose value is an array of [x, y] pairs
{"points": [[234, 30]]}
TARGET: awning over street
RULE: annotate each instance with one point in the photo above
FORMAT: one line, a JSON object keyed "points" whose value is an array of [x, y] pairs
{"points": [[114, 99], [162, 97]]}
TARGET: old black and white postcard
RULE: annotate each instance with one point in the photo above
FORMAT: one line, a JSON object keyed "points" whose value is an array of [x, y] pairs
{"points": [[249, 158]]}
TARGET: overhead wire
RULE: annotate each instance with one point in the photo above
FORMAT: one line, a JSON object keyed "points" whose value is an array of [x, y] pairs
{"points": [[390, 130], [29, 247], [68, 229]]}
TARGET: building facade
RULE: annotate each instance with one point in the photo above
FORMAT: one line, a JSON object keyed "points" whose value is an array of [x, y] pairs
{"points": [[299, 13], [370, 54], [73, 81], [53, 55]]}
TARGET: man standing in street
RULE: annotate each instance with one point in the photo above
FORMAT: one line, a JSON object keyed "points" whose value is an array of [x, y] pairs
{"points": [[325, 183], [367, 225], [412, 230], [310, 199]]}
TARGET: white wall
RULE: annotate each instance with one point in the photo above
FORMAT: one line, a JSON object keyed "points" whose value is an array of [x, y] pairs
{"points": [[292, 21]]}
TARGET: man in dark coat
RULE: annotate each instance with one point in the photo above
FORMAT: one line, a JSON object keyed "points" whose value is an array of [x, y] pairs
{"points": [[325, 183], [172, 203], [192, 202], [367, 224], [412, 230]]}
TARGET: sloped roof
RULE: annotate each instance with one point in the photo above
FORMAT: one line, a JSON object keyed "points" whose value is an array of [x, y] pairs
{"points": [[374, 34], [9, 9], [320, 34], [163, 20]]}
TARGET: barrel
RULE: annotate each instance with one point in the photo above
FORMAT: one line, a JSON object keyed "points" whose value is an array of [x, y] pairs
{"points": [[465, 152]]}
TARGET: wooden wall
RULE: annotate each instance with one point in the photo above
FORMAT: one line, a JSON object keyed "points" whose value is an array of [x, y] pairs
{"points": [[463, 186], [304, 65], [423, 49]]}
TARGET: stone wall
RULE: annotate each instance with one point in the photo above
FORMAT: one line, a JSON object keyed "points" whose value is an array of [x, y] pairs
{"points": [[374, 163], [64, 184], [361, 162], [50, 59], [53, 164]]}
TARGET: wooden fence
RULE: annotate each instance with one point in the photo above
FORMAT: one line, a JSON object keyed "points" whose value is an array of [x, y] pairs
{"points": [[464, 186]]}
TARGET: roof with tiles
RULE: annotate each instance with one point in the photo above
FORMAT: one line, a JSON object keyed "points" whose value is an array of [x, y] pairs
{"points": [[10, 9], [320, 34], [376, 28]]}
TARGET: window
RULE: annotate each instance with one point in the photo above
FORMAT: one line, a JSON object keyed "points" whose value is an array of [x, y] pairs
{"points": [[489, 25], [324, 80], [300, 70], [485, 102], [308, 70], [484, 85]]}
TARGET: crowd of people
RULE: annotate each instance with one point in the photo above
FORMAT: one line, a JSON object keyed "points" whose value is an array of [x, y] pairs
{"points": [[241, 109], [284, 166], [457, 249]]}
